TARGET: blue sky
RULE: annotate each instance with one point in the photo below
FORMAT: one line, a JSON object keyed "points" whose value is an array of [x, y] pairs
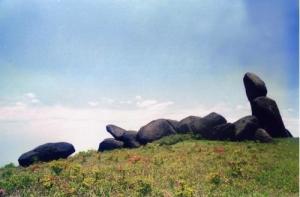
{"points": [[129, 61]]}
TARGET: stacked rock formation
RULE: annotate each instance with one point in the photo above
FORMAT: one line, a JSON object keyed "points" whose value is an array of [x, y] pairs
{"points": [[263, 108], [264, 124]]}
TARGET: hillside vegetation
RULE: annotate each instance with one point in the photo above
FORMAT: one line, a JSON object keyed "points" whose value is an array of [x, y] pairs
{"points": [[173, 166]]}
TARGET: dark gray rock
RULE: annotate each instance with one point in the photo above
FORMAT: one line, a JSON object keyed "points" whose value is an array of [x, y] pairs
{"points": [[245, 128], [46, 152], [205, 125], [255, 87], [263, 136], [268, 115], [223, 132], [130, 139], [115, 131], [155, 130], [174, 124], [185, 125], [110, 144]]}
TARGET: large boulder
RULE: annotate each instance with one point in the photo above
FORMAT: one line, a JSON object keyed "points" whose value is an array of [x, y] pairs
{"points": [[255, 87], [173, 123], [130, 139], [205, 125], [222, 132], [155, 130], [262, 136], [267, 112], [115, 131], [110, 144], [245, 128], [185, 125], [46, 152]]}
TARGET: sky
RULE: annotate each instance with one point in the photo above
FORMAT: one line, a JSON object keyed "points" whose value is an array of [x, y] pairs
{"points": [[68, 68]]}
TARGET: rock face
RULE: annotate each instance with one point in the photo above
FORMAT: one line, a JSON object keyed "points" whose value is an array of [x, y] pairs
{"points": [[110, 144], [245, 128], [46, 152], [155, 130], [223, 132], [255, 87], [115, 131], [185, 125], [205, 125], [130, 139], [263, 136], [267, 112]]}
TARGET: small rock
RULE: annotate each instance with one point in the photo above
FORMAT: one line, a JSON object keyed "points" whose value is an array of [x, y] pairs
{"points": [[263, 136], [110, 144]]}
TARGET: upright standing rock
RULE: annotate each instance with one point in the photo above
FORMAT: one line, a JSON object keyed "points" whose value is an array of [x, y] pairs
{"points": [[267, 112], [255, 86]]}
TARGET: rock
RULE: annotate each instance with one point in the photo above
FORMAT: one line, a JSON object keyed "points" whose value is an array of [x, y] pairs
{"points": [[174, 124], [185, 125], [245, 128], [255, 87], [288, 133], [115, 131], [155, 130], [130, 139], [268, 115], [223, 132], [110, 144], [205, 125], [46, 152], [263, 136]]}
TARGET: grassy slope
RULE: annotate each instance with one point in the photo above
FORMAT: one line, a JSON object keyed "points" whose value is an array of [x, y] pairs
{"points": [[166, 168]]}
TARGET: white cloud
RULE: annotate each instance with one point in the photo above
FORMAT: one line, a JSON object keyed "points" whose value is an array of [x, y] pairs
{"points": [[146, 103], [107, 100], [35, 100], [138, 97], [93, 103], [30, 95]]}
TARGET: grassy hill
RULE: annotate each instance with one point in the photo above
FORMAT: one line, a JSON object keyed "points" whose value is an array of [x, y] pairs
{"points": [[173, 166]]}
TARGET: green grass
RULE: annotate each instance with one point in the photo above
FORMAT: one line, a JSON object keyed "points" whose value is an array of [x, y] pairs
{"points": [[172, 166]]}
